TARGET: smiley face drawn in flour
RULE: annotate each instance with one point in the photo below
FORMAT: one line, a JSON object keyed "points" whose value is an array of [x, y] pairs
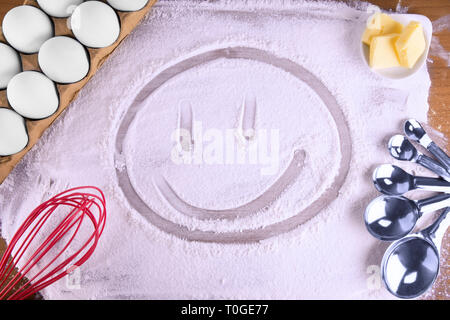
{"points": [[329, 180]]}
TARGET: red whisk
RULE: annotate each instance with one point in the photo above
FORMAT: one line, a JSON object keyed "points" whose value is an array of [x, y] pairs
{"points": [[47, 245]]}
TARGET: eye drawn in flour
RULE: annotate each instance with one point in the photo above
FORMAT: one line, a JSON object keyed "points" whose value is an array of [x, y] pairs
{"points": [[184, 134], [334, 118], [246, 130]]}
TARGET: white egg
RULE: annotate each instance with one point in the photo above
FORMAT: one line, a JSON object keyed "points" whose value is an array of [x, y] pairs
{"points": [[59, 8], [128, 5], [10, 64], [64, 60], [13, 132], [95, 24], [33, 95], [26, 28]]}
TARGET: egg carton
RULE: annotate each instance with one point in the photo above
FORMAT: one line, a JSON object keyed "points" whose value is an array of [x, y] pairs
{"points": [[67, 92]]}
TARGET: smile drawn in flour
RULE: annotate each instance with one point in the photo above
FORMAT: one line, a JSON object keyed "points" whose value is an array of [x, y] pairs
{"points": [[249, 235], [261, 203]]}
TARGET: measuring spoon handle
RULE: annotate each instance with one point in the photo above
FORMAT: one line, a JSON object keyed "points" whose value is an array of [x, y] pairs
{"points": [[432, 184], [434, 166], [436, 231], [433, 203], [439, 154]]}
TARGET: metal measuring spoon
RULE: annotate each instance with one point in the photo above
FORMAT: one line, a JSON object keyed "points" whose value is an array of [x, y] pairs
{"points": [[390, 218], [411, 265], [392, 180], [415, 132], [402, 149]]}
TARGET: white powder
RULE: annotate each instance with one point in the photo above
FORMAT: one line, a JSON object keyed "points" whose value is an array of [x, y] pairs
{"points": [[141, 254], [436, 48], [441, 24], [401, 9]]}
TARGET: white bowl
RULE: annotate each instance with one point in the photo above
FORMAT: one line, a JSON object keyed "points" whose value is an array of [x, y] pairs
{"points": [[402, 72]]}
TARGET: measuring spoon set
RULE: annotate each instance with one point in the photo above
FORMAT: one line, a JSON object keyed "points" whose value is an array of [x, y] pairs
{"points": [[411, 263]]}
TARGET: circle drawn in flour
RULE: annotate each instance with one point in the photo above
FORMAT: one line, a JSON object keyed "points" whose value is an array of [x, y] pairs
{"points": [[249, 235]]}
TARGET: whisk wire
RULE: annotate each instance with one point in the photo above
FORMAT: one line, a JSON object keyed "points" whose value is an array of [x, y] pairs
{"points": [[47, 245], [22, 249], [90, 204], [16, 257]]}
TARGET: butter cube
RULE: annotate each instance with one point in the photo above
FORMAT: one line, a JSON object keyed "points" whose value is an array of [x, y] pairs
{"points": [[380, 24], [389, 25], [369, 34], [375, 21], [383, 53], [411, 44], [373, 28]]}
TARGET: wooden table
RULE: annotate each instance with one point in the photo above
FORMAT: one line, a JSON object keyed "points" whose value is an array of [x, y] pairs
{"points": [[439, 100]]}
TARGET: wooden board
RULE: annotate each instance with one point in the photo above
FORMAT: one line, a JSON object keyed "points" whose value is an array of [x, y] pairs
{"points": [[439, 100], [67, 93]]}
